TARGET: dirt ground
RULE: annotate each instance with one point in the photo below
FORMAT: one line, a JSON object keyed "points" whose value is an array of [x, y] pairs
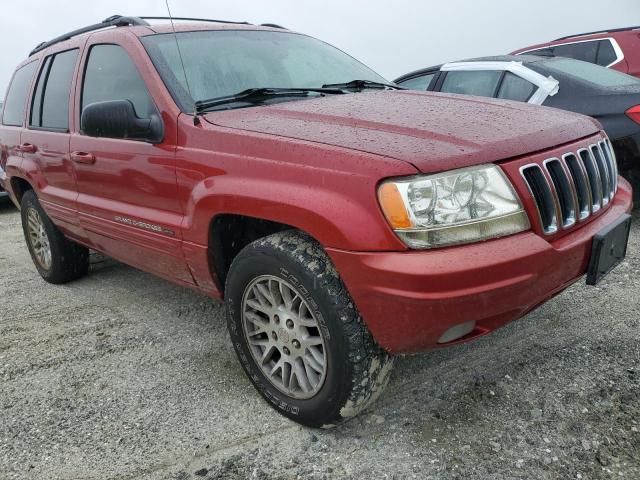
{"points": [[124, 376]]}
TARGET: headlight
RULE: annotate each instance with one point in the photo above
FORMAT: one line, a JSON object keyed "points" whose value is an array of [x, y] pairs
{"points": [[459, 206]]}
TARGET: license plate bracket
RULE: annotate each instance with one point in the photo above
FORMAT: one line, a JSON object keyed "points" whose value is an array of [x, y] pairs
{"points": [[609, 249]]}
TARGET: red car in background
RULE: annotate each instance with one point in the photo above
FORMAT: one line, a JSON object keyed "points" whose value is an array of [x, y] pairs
{"points": [[618, 49]]}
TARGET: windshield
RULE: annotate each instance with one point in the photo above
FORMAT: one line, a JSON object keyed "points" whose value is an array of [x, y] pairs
{"points": [[225, 62], [601, 76]]}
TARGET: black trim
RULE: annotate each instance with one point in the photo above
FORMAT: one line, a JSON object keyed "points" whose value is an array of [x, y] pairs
{"points": [[496, 92], [48, 129], [113, 21], [44, 70]]}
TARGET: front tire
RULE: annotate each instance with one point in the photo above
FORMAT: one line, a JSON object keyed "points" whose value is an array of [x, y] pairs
{"points": [[57, 259], [298, 334]]}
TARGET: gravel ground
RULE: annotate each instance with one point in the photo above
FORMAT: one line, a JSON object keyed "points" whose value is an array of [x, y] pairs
{"points": [[122, 375]]}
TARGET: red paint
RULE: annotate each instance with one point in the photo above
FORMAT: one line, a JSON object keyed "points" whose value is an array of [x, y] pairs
{"points": [[628, 40], [314, 165]]}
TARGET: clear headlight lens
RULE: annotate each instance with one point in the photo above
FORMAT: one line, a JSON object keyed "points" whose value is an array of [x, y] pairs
{"points": [[459, 206]]}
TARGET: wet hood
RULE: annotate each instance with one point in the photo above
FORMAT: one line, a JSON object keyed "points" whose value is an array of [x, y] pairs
{"points": [[432, 131]]}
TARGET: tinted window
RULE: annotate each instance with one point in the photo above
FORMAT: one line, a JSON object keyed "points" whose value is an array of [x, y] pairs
{"points": [[585, 51], [603, 77], [606, 53], [13, 113], [418, 83], [51, 99], [481, 83], [515, 88], [111, 75]]}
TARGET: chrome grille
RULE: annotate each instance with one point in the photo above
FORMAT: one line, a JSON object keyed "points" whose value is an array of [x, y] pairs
{"points": [[572, 188]]}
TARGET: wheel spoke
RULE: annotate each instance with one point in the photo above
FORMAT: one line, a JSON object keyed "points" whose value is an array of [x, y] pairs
{"points": [[264, 292], [267, 354], [301, 376], [314, 362], [256, 305], [312, 374], [276, 367], [257, 321]]}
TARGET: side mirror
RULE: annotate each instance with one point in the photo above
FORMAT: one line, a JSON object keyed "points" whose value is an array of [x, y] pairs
{"points": [[118, 119]]}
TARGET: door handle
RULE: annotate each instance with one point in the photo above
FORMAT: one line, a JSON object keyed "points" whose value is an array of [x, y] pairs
{"points": [[27, 148], [83, 157]]}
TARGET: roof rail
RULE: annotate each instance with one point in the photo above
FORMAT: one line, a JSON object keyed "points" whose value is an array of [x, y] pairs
{"points": [[189, 19], [113, 21], [273, 25], [613, 30]]}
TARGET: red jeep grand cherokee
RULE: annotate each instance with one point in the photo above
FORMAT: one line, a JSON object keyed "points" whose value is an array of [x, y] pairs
{"points": [[342, 220]]}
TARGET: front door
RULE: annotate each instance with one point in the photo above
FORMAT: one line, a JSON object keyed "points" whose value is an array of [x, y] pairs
{"points": [[127, 199]]}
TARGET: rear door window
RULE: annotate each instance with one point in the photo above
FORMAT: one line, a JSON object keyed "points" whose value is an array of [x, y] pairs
{"points": [[13, 113], [585, 51], [480, 83], [50, 106], [110, 74], [516, 88], [418, 83]]}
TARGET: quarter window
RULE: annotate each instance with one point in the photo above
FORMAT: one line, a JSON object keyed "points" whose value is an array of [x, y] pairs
{"points": [[111, 75], [13, 113], [50, 106], [418, 83], [515, 88], [480, 83], [606, 53]]}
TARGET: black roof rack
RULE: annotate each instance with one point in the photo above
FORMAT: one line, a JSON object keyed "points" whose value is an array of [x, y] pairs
{"points": [[120, 21], [613, 30], [273, 25], [113, 21], [189, 19]]}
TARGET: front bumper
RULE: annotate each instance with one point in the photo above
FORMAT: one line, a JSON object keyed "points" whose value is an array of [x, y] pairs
{"points": [[410, 300]]}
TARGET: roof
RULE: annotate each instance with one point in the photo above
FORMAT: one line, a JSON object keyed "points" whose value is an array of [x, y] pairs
{"points": [[597, 32]]}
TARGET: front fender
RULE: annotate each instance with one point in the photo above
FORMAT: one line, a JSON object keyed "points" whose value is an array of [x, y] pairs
{"points": [[337, 215]]}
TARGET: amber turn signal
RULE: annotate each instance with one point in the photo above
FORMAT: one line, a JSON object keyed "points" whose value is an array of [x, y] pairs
{"points": [[393, 206]]}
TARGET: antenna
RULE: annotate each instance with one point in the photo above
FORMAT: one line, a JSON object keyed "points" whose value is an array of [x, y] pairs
{"points": [[196, 120]]}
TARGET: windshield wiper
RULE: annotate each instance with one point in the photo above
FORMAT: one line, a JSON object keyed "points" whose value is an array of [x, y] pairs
{"points": [[259, 94], [363, 84]]}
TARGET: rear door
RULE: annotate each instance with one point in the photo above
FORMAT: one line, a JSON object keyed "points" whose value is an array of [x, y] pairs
{"points": [[128, 201], [45, 141], [13, 114]]}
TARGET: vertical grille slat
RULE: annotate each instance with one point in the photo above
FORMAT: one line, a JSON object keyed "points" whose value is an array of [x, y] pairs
{"points": [[581, 183], [593, 175], [563, 190], [572, 188], [541, 192], [603, 170]]}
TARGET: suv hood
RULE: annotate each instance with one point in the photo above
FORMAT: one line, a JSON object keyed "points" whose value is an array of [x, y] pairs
{"points": [[431, 131]]}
